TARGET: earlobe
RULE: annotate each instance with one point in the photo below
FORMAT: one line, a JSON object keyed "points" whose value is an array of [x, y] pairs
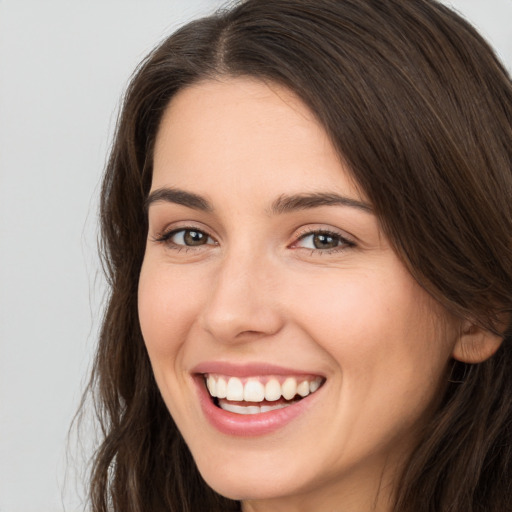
{"points": [[475, 344]]}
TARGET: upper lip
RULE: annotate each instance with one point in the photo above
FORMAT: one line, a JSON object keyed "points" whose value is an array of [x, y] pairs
{"points": [[252, 369]]}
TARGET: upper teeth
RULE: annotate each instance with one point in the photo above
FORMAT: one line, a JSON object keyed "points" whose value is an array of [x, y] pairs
{"points": [[254, 390]]}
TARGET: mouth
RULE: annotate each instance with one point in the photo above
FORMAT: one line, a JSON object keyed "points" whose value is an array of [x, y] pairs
{"points": [[256, 399], [259, 394]]}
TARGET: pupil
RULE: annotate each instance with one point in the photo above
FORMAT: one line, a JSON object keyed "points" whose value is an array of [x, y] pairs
{"points": [[324, 242], [194, 238]]}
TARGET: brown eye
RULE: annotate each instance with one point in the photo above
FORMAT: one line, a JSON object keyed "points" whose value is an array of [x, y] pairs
{"points": [[187, 238], [323, 240], [194, 237]]}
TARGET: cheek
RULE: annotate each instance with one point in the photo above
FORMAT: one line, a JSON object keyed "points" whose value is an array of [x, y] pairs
{"points": [[167, 303], [387, 339], [353, 306], [392, 350]]}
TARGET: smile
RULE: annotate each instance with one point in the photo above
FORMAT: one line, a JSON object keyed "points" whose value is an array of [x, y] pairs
{"points": [[254, 399], [257, 395]]}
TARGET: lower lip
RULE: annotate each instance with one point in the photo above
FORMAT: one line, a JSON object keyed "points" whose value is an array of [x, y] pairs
{"points": [[249, 425]]}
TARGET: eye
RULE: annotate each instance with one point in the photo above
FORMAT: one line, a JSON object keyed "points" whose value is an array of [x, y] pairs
{"points": [[189, 237], [323, 241], [186, 237]]}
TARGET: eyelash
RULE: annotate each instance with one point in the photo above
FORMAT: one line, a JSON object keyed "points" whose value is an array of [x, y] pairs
{"points": [[343, 242], [166, 236]]}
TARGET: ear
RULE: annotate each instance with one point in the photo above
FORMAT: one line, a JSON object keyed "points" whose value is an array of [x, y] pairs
{"points": [[475, 344]]}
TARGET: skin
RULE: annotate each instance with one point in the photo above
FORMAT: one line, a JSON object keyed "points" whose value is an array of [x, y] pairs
{"points": [[259, 291]]}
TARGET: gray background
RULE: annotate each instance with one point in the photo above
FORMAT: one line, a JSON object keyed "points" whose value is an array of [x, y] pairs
{"points": [[63, 67]]}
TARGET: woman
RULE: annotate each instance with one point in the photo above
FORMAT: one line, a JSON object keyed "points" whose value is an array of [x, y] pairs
{"points": [[306, 224]]}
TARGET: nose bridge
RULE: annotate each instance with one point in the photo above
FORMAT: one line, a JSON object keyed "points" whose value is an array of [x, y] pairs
{"points": [[243, 300]]}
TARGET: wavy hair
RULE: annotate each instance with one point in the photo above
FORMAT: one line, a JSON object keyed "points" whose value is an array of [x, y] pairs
{"points": [[420, 109]]}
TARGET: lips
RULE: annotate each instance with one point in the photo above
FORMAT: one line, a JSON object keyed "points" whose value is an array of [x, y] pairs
{"points": [[254, 400]]}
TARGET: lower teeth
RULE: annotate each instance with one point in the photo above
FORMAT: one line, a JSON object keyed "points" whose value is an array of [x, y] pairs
{"points": [[252, 409]]}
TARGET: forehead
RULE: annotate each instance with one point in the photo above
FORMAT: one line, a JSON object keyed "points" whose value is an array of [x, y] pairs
{"points": [[247, 134]]}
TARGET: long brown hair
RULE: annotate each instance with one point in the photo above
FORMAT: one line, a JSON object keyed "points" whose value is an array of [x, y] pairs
{"points": [[420, 109]]}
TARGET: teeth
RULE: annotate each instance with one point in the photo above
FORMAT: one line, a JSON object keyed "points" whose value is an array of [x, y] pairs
{"points": [[250, 409], [272, 390], [233, 389], [303, 388], [289, 388], [254, 391], [211, 385], [314, 385], [267, 408], [221, 388]]}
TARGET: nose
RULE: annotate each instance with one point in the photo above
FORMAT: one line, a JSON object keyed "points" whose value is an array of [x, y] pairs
{"points": [[243, 303]]}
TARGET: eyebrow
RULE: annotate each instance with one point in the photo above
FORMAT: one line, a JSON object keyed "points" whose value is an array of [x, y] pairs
{"points": [[177, 196], [283, 204]]}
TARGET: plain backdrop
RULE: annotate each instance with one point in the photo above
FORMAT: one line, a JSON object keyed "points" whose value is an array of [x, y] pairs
{"points": [[63, 67]]}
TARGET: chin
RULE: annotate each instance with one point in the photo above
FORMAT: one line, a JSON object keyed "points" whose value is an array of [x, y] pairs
{"points": [[243, 486], [251, 478]]}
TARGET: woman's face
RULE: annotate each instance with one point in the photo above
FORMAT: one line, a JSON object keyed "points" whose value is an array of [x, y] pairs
{"points": [[267, 275]]}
